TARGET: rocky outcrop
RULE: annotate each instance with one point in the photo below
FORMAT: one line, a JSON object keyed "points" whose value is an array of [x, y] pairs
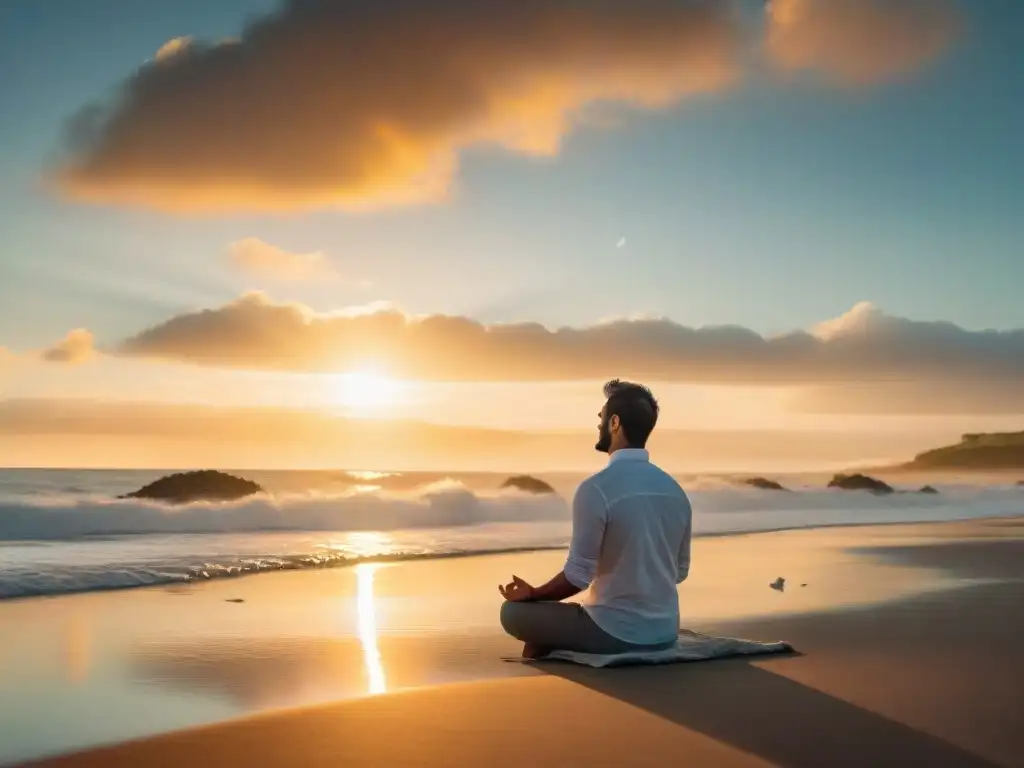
{"points": [[928, 489], [764, 484], [205, 485], [528, 483], [860, 482], [976, 451]]}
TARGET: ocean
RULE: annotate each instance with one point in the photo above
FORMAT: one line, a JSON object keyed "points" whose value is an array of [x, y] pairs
{"points": [[65, 531]]}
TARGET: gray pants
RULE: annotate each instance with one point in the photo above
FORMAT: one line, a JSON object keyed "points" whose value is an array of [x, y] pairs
{"points": [[563, 627]]}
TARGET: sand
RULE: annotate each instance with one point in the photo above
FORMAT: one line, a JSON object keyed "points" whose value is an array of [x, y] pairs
{"points": [[929, 674]]}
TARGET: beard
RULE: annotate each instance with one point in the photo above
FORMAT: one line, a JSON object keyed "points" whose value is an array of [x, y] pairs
{"points": [[604, 438]]}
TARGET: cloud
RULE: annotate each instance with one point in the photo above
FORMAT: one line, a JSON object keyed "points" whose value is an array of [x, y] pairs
{"points": [[863, 345], [356, 105], [269, 261], [860, 42], [77, 347], [173, 47]]}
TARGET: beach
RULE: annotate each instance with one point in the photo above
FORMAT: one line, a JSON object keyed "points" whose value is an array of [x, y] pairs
{"points": [[906, 653]]}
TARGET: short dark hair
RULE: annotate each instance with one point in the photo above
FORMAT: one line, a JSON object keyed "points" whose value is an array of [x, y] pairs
{"points": [[636, 408]]}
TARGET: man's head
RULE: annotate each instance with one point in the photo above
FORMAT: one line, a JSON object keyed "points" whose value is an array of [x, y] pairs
{"points": [[628, 417]]}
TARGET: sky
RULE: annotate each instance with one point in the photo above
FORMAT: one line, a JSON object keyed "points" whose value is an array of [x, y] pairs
{"points": [[798, 216]]}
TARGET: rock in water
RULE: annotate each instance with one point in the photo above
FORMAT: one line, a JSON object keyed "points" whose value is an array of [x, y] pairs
{"points": [[928, 489], [528, 484], [205, 485], [860, 483], [764, 484], [779, 584]]}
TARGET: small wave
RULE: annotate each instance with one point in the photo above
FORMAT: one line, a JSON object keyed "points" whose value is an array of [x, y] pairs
{"points": [[74, 579]]}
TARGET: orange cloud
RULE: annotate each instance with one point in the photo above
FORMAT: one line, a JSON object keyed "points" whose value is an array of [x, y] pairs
{"points": [[863, 345], [860, 42], [269, 261], [77, 347], [355, 105]]}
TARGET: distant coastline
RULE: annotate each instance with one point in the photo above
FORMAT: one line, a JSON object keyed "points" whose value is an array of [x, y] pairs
{"points": [[981, 452]]}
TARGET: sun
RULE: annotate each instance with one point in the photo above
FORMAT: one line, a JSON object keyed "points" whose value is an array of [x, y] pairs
{"points": [[367, 392]]}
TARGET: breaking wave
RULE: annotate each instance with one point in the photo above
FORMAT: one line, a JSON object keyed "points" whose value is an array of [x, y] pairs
{"points": [[59, 545], [440, 506]]}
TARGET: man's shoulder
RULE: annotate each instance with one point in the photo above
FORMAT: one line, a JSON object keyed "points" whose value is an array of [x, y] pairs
{"points": [[664, 481], [629, 478], [592, 486]]}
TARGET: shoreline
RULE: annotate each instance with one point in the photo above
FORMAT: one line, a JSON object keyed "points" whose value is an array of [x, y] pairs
{"points": [[930, 678], [391, 559]]}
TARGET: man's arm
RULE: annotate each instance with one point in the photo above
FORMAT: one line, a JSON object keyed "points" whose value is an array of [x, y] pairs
{"points": [[684, 556], [559, 588], [589, 515]]}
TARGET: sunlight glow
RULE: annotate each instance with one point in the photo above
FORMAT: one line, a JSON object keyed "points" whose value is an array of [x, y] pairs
{"points": [[363, 544], [366, 616], [367, 392]]}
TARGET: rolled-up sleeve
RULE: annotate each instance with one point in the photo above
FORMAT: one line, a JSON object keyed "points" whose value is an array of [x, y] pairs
{"points": [[589, 516]]}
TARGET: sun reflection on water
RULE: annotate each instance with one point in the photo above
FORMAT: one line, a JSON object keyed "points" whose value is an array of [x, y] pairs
{"points": [[366, 618], [368, 544]]}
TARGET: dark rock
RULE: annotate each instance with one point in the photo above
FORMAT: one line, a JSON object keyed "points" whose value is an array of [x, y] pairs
{"points": [[205, 485], [764, 484], [928, 489], [779, 584], [860, 483], [528, 484], [234, 600]]}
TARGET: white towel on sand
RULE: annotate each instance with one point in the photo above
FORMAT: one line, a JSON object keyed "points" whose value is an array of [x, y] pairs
{"points": [[691, 646]]}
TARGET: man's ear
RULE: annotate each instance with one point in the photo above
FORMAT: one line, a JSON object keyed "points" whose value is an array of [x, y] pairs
{"points": [[613, 423]]}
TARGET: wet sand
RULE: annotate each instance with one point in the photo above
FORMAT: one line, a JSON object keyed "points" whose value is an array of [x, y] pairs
{"points": [[907, 641]]}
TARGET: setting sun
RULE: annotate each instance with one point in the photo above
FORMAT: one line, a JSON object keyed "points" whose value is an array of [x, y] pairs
{"points": [[367, 392]]}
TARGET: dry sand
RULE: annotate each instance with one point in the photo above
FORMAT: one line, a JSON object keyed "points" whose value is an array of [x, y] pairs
{"points": [[930, 679]]}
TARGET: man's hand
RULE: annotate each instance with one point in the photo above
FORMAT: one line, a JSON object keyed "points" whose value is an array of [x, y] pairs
{"points": [[516, 591]]}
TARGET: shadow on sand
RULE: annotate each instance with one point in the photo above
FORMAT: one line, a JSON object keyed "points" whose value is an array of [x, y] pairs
{"points": [[950, 659], [751, 708]]}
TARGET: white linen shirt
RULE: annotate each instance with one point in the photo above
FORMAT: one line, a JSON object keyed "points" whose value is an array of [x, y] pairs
{"points": [[631, 547]]}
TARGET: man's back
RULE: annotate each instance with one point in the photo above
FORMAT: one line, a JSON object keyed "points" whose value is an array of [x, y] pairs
{"points": [[631, 542]]}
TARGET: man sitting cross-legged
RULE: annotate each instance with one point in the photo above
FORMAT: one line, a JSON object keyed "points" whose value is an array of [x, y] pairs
{"points": [[630, 545]]}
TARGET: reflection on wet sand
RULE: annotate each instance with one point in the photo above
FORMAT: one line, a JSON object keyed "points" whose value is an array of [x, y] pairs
{"points": [[78, 649], [367, 624], [266, 673], [255, 673]]}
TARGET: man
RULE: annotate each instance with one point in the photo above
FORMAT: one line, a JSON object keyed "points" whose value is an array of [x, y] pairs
{"points": [[630, 546]]}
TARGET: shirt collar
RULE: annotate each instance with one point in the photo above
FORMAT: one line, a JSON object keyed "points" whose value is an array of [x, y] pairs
{"points": [[630, 454]]}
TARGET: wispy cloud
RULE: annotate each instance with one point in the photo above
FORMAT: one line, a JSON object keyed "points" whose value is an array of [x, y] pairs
{"points": [[75, 348], [860, 42], [65, 432], [269, 261], [367, 104]]}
